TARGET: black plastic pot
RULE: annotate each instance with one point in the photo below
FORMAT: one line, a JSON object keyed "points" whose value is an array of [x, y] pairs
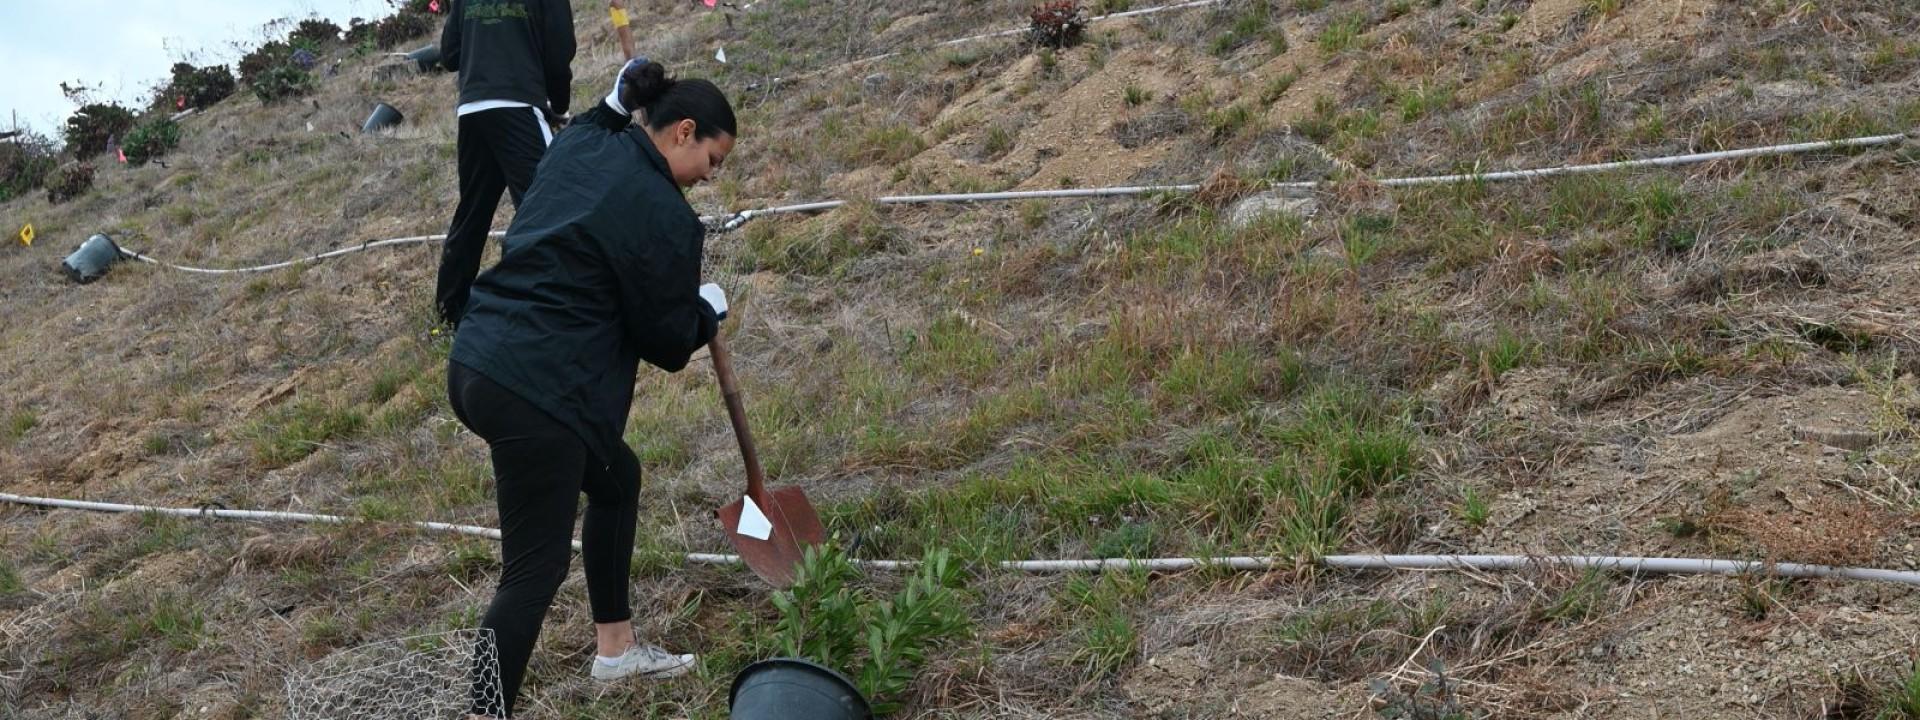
{"points": [[794, 689], [428, 58], [384, 116], [91, 261]]}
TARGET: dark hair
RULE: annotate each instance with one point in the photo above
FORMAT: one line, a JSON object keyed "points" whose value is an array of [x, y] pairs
{"points": [[645, 86]]}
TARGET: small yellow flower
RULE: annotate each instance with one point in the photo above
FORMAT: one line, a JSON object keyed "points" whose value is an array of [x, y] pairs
{"points": [[977, 252], [436, 331]]}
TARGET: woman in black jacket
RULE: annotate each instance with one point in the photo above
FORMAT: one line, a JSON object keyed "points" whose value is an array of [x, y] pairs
{"points": [[600, 270]]}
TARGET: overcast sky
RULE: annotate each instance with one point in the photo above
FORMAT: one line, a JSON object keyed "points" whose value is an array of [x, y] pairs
{"points": [[128, 45]]}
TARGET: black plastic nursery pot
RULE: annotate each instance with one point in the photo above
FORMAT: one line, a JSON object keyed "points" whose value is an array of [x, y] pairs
{"points": [[427, 58], [91, 261], [795, 689], [384, 116]]}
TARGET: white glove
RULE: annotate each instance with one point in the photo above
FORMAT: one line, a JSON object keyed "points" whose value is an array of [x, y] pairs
{"points": [[716, 298], [613, 98]]}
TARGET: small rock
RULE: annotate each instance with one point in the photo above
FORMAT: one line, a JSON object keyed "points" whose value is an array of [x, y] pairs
{"points": [[874, 82], [1250, 210]]}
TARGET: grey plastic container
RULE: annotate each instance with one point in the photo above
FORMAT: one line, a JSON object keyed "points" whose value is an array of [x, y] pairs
{"points": [[427, 58], [92, 260], [384, 116], [795, 689]]}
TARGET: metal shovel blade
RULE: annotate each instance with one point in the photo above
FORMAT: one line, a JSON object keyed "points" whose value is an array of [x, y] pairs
{"points": [[795, 526]]}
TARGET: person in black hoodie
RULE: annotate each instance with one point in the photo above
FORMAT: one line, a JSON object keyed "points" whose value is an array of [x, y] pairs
{"points": [[600, 271], [513, 57]]}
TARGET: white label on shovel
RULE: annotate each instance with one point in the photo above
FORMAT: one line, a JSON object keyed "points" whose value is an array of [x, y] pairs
{"points": [[753, 523]]}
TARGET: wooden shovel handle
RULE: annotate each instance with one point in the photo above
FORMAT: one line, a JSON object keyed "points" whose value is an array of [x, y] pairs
{"points": [[730, 391]]}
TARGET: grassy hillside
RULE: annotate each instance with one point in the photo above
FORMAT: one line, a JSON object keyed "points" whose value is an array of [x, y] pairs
{"points": [[1709, 361]]}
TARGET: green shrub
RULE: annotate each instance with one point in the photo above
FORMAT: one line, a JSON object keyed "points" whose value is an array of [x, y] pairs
{"points": [[360, 32], [194, 88], [25, 162], [93, 127], [264, 59], [151, 140], [402, 27], [69, 182], [281, 82], [314, 33]]}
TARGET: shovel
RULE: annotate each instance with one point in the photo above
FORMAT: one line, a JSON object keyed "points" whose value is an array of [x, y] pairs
{"points": [[770, 528]]}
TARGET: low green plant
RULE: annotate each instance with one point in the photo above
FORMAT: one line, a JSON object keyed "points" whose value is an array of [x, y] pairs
{"points": [[1423, 99], [1342, 33], [998, 141], [881, 643], [10, 583], [1904, 702], [1278, 86], [292, 433], [19, 423], [1473, 508], [1101, 608], [151, 139], [1579, 601], [283, 81]]}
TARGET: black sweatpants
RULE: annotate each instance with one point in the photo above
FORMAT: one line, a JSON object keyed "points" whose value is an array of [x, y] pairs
{"points": [[540, 467], [498, 150]]}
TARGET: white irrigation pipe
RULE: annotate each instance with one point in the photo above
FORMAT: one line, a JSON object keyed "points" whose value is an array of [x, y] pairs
{"points": [[739, 218], [1676, 566], [1669, 161], [290, 263], [735, 220]]}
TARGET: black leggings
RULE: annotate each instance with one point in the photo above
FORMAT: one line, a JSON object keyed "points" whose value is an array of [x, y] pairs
{"points": [[540, 467], [497, 150]]}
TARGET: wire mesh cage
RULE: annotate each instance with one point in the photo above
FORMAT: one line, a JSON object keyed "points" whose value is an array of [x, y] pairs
{"points": [[443, 675]]}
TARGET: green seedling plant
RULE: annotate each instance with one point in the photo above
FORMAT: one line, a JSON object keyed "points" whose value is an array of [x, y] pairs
{"points": [[880, 642]]}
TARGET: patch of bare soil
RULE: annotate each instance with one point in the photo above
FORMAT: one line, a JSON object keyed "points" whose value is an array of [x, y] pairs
{"points": [[1194, 682]]}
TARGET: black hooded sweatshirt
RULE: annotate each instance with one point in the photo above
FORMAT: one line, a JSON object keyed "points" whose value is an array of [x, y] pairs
{"points": [[516, 50], [601, 269]]}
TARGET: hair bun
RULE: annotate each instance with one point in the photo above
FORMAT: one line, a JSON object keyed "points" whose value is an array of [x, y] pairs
{"points": [[643, 83]]}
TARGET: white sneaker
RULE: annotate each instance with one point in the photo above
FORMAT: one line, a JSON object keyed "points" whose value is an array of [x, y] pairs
{"points": [[644, 660]]}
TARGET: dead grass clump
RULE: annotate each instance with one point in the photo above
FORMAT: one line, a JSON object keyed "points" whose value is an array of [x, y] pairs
{"points": [[1223, 188], [1823, 531]]}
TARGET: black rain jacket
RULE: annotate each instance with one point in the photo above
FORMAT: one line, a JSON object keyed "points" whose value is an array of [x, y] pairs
{"points": [[518, 50], [601, 269]]}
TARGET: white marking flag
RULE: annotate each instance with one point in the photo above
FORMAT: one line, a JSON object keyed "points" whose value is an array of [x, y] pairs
{"points": [[753, 522]]}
